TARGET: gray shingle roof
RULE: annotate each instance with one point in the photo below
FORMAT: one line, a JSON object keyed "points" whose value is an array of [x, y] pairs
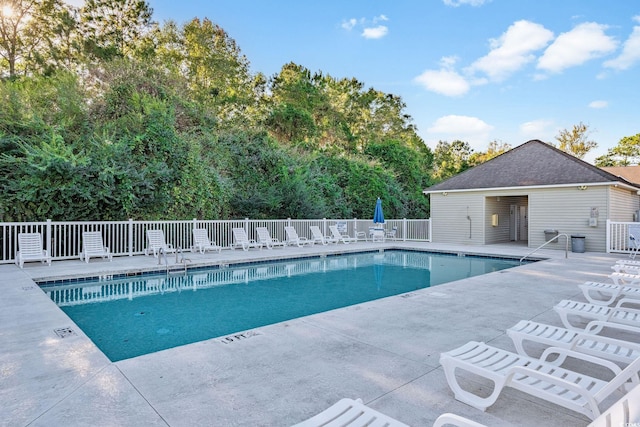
{"points": [[533, 163]]}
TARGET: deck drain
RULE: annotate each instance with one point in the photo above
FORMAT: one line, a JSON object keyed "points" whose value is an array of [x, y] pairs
{"points": [[28, 288], [64, 332], [409, 295], [237, 337]]}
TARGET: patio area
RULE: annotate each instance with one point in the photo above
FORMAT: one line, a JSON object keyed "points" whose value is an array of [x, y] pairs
{"points": [[385, 352]]}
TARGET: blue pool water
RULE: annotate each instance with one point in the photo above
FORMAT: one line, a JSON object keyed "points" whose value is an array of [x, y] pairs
{"points": [[128, 317]]}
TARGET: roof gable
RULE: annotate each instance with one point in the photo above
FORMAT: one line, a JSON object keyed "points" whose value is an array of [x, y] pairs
{"points": [[533, 163]]}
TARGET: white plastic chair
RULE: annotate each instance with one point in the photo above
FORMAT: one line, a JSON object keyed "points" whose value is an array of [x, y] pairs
{"points": [[93, 246], [156, 241], [294, 239], [201, 241], [538, 377], [318, 237], [350, 413], [30, 249], [243, 241], [344, 238], [265, 238]]}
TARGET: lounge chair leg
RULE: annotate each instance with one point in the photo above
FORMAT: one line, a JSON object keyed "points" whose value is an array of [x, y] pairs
{"points": [[481, 403]]}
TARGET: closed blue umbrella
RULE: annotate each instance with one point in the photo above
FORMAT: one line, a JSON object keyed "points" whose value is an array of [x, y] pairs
{"points": [[378, 216]]}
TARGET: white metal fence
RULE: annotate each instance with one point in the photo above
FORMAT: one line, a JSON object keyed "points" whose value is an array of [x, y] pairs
{"points": [[63, 239], [618, 236]]}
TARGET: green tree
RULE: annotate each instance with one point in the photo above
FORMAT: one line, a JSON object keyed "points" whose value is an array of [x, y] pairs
{"points": [[26, 27], [114, 28], [626, 153], [576, 141], [450, 159], [494, 149], [411, 168]]}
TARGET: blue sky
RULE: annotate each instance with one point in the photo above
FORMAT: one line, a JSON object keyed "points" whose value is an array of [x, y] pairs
{"points": [[474, 70]]}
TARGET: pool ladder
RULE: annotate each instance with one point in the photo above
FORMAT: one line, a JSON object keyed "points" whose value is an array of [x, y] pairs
{"points": [[182, 260]]}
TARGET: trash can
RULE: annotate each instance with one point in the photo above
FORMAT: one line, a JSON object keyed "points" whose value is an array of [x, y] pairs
{"points": [[550, 234], [577, 243]]}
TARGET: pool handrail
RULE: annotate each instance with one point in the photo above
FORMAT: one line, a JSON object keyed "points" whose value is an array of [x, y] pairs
{"points": [[566, 249]]}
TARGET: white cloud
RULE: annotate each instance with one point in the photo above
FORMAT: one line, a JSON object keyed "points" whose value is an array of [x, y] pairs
{"points": [[375, 32], [443, 81], [369, 28], [630, 51], [78, 3], [349, 24], [464, 128], [598, 104], [513, 49], [456, 3], [536, 128], [380, 18], [583, 43]]}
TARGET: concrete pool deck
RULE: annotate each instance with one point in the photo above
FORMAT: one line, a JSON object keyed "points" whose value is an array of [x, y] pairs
{"points": [[385, 351]]}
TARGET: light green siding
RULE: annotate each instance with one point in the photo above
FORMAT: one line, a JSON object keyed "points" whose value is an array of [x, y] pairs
{"points": [[622, 204], [449, 218], [466, 217]]}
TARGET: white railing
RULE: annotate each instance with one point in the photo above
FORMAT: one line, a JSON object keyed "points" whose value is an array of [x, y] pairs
{"points": [[63, 239], [618, 236]]}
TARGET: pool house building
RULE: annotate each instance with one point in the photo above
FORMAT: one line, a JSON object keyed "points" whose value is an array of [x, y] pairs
{"points": [[530, 193]]}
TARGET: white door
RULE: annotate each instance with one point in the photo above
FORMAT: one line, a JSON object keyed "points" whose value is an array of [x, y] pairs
{"points": [[523, 224], [513, 222]]}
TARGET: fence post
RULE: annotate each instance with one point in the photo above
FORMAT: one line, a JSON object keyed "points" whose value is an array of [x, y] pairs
{"points": [[324, 226], [49, 237], [130, 237], [430, 231], [404, 229], [608, 236], [246, 225]]}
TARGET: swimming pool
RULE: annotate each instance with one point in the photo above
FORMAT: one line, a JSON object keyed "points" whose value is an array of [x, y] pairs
{"points": [[130, 316]]}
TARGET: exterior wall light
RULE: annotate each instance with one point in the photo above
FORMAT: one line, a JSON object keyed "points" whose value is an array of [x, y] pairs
{"points": [[582, 187], [444, 193]]}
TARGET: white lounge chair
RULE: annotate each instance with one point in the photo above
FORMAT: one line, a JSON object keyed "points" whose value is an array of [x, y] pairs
{"points": [[265, 238], [30, 249], [156, 241], [243, 241], [344, 238], [447, 419], [607, 293], [538, 377], [318, 237], [201, 241], [625, 412], [620, 267], [92, 246], [349, 412], [630, 262], [625, 278], [584, 310], [584, 342], [294, 239]]}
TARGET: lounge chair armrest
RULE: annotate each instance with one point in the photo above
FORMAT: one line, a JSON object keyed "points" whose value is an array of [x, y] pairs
{"points": [[563, 353]]}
